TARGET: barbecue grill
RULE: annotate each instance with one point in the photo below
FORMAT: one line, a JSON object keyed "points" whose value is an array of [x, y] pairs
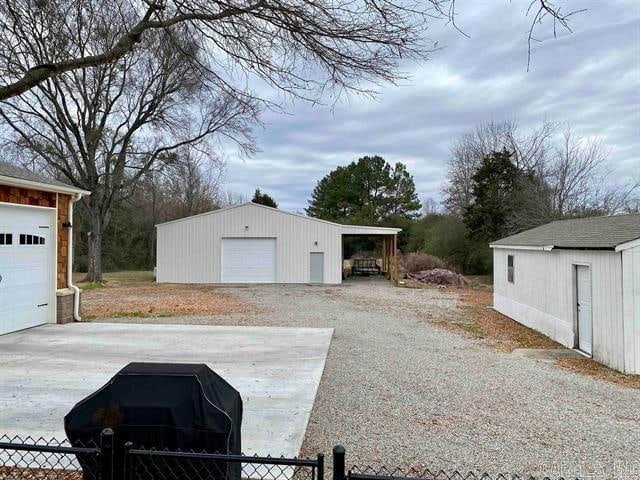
{"points": [[162, 406]]}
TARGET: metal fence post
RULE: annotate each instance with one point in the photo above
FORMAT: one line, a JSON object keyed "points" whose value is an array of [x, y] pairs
{"points": [[127, 463], [338, 462], [320, 475], [106, 454]]}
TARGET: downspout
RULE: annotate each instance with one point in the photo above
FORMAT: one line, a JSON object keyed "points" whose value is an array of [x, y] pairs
{"points": [[76, 290]]}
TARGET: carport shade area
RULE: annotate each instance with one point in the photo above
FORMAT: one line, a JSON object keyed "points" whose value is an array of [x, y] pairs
{"points": [[46, 370], [384, 246]]}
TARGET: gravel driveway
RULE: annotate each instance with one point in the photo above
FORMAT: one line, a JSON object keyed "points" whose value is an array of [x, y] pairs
{"points": [[398, 389]]}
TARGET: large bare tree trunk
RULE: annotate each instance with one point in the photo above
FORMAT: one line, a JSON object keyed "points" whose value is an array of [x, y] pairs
{"points": [[94, 272]]}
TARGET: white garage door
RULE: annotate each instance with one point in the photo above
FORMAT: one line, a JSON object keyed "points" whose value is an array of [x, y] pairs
{"points": [[26, 267], [248, 260]]}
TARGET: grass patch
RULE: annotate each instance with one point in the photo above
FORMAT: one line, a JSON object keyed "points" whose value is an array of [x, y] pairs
{"points": [[90, 286], [143, 276], [472, 329], [115, 279], [139, 314], [128, 314]]}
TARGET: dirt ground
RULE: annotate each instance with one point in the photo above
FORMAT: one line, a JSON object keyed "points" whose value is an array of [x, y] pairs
{"points": [[134, 294]]}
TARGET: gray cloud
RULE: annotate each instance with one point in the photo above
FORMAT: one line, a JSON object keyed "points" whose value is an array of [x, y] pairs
{"points": [[590, 78]]}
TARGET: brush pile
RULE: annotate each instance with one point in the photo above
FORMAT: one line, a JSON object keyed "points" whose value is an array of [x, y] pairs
{"points": [[439, 276]]}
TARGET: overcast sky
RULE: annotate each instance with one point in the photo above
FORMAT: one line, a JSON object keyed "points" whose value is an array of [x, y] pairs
{"points": [[590, 78]]}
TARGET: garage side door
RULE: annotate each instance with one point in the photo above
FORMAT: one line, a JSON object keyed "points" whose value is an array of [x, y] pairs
{"points": [[26, 267], [248, 260]]}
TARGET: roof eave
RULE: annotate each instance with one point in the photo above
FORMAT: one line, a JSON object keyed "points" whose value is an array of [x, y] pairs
{"points": [[368, 228], [45, 187], [213, 212], [545, 248], [628, 245]]}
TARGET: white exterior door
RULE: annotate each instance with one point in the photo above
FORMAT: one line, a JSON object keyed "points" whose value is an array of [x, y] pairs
{"points": [[248, 260], [26, 267], [583, 294], [316, 265]]}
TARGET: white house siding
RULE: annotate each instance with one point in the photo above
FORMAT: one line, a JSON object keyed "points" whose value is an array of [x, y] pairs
{"points": [[631, 302], [189, 250], [543, 296]]}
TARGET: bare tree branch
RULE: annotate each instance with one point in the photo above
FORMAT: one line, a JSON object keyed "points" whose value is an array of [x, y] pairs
{"points": [[345, 43], [543, 9], [104, 128]]}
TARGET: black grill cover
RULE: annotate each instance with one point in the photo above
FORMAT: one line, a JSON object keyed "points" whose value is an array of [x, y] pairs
{"points": [[162, 406]]}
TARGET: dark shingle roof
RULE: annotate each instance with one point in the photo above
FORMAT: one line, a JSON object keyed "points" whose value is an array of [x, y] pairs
{"points": [[589, 233], [13, 171]]}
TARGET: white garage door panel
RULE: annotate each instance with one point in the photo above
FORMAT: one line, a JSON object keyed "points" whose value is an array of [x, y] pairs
{"points": [[26, 287], [248, 260]]}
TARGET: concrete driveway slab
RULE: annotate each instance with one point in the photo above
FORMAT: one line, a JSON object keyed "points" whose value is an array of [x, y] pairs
{"points": [[46, 370]]}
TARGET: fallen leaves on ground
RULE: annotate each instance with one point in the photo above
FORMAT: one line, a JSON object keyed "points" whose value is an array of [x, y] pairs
{"points": [[504, 333], [135, 299], [587, 366], [478, 319]]}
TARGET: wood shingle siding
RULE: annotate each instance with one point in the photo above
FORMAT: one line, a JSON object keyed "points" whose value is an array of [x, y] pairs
{"points": [[27, 196], [38, 198], [63, 240]]}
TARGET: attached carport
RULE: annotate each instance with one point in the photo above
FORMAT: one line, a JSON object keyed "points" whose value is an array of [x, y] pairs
{"points": [[252, 243], [387, 237]]}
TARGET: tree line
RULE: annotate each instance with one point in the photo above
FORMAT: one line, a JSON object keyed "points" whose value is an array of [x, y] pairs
{"points": [[500, 181]]}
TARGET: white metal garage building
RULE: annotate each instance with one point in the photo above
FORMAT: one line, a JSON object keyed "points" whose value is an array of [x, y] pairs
{"points": [[578, 282], [252, 243]]}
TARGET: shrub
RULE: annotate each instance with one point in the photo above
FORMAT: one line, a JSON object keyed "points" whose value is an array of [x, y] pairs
{"points": [[418, 261], [479, 258]]}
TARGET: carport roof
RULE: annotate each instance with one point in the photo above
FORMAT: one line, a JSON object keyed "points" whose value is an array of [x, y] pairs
{"points": [[592, 233], [346, 229], [16, 176]]}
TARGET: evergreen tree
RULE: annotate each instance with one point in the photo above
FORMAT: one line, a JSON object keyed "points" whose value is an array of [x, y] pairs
{"points": [[494, 192], [264, 199], [369, 191]]}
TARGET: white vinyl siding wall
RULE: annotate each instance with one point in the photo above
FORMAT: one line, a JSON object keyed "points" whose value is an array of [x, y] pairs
{"points": [[543, 297], [631, 307], [189, 250]]}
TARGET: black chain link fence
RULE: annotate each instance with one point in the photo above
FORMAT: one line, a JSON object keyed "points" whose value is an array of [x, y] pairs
{"points": [[358, 472], [45, 459], [26, 458], [143, 464]]}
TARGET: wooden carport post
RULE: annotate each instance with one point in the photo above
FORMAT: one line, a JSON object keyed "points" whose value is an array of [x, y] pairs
{"points": [[385, 256], [393, 259]]}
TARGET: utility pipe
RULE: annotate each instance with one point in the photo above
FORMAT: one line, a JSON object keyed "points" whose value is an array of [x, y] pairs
{"points": [[76, 290]]}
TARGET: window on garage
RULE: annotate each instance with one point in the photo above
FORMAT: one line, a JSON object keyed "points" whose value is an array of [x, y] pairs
{"points": [[6, 238], [28, 239]]}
